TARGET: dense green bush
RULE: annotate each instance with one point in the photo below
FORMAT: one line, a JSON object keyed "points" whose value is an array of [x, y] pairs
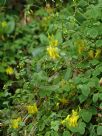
{"points": [[51, 70]]}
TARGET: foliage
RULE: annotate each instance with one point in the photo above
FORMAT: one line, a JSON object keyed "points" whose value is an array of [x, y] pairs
{"points": [[51, 69]]}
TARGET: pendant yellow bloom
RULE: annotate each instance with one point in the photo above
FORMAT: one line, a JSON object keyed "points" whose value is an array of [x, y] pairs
{"points": [[15, 123], [53, 52], [71, 120], [81, 45], [32, 109], [64, 101], [9, 71], [91, 54], [52, 41], [81, 49], [98, 53]]}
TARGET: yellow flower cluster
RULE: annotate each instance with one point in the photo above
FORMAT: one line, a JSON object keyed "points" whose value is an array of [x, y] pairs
{"points": [[32, 109], [94, 54], [15, 123], [71, 120], [9, 71], [53, 52], [52, 41], [63, 100], [52, 49], [80, 46]]}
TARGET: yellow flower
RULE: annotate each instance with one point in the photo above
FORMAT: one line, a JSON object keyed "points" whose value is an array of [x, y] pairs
{"points": [[9, 71], [80, 46], [98, 52], [52, 41], [4, 24], [91, 54], [32, 109], [71, 120], [53, 52], [15, 123], [64, 101], [80, 49]]}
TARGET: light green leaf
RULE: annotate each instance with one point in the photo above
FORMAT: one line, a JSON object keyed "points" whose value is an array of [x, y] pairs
{"points": [[66, 133], [86, 115], [55, 125], [11, 26], [85, 90], [81, 128], [95, 97], [99, 130], [68, 74], [100, 96], [58, 36]]}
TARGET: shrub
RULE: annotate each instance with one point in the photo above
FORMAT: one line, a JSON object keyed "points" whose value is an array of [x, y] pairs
{"points": [[51, 71]]}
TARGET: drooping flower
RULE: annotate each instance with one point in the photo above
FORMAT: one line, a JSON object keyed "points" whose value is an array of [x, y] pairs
{"points": [[9, 71], [15, 123], [80, 49], [52, 40], [95, 54], [91, 54], [63, 100], [53, 52], [98, 52], [71, 120], [81, 46], [32, 109]]}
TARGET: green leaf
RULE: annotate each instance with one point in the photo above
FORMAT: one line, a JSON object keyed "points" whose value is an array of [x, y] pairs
{"points": [[68, 74], [86, 115], [81, 128], [37, 51], [43, 39], [55, 125], [47, 133], [93, 33], [66, 133], [95, 97], [93, 110], [2, 2], [99, 43], [82, 98], [100, 96], [58, 36], [41, 127], [99, 130], [54, 133], [11, 26], [85, 89]]}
